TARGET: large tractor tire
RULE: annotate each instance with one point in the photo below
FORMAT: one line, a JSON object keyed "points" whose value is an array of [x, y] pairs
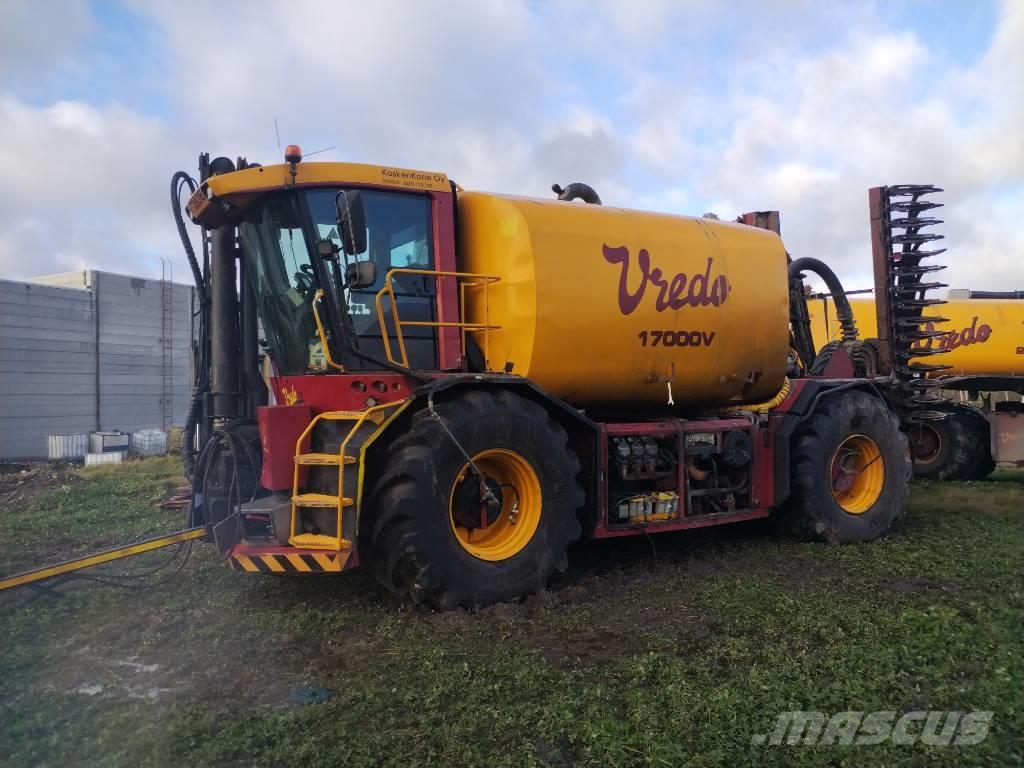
{"points": [[850, 471], [953, 448], [981, 445], [435, 531]]}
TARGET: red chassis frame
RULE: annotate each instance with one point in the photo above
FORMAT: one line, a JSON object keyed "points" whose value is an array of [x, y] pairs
{"points": [[760, 485]]}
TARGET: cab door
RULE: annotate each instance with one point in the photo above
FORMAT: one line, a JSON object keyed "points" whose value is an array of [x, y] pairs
{"points": [[399, 236]]}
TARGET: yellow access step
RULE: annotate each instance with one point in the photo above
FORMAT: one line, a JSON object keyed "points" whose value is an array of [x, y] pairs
{"points": [[320, 541], [323, 459], [321, 500]]}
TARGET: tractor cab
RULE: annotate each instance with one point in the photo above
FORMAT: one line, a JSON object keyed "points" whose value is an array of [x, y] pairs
{"points": [[345, 263]]}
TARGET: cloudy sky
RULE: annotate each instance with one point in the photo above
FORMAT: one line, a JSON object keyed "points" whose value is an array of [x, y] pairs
{"points": [[676, 106]]}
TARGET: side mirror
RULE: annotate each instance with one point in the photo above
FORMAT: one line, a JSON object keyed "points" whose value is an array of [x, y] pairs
{"points": [[351, 221], [361, 274], [327, 250]]}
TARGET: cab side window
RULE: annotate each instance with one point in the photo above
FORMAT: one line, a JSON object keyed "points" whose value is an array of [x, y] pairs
{"points": [[399, 236]]}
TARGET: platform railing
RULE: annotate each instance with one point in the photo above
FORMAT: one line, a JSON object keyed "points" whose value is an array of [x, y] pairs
{"points": [[467, 280]]}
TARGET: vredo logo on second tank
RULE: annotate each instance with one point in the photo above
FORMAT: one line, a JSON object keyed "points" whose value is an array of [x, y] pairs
{"points": [[973, 334]]}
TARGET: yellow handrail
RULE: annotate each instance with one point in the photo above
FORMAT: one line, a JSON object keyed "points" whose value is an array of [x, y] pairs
{"points": [[466, 327], [320, 332]]}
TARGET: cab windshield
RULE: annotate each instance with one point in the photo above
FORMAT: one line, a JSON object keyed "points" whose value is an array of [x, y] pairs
{"points": [[285, 278]]}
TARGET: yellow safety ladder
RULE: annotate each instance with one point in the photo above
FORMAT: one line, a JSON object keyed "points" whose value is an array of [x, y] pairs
{"points": [[376, 415]]}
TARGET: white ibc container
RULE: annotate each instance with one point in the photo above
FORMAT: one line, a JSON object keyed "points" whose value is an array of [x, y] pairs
{"points": [[110, 457], [64, 447], [108, 441], [149, 442]]}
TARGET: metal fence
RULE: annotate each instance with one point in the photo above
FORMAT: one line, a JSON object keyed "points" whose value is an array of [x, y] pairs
{"points": [[91, 350]]}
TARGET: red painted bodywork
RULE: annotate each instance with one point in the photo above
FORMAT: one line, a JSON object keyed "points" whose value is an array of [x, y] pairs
{"points": [[449, 340], [306, 396], [280, 427], [762, 220], [702, 521], [839, 366], [342, 391], [881, 252]]}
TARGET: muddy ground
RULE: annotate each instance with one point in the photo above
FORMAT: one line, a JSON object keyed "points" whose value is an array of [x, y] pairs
{"points": [[650, 651]]}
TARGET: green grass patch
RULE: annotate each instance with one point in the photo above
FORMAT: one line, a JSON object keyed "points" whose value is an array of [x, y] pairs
{"points": [[627, 661], [61, 513]]}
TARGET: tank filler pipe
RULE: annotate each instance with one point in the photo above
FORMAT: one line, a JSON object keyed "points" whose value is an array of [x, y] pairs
{"points": [[577, 190]]}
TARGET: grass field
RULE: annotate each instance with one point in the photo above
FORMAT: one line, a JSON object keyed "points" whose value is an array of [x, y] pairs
{"points": [[631, 659]]}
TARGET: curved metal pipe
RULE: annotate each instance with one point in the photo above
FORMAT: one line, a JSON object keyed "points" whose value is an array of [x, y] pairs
{"points": [[696, 474], [577, 190]]}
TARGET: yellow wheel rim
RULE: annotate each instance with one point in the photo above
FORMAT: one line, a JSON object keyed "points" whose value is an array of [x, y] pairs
{"points": [[519, 515], [857, 474]]}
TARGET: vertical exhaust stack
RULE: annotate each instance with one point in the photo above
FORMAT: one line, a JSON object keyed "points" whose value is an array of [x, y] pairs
{"points": [[223, 326], [900, 247], [224, 400]]}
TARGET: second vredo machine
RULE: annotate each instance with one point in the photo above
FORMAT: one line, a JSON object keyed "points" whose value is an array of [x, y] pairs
{"points": [[463, 384], [980, 335]]}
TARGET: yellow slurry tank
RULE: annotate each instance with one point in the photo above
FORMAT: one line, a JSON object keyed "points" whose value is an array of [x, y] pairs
{"points": [[983, 336], [609, 306]]}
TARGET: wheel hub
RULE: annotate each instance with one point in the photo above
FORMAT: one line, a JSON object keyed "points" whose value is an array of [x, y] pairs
{"points": [[496, 517], [857, 474], [472, 506], [925, 443]]}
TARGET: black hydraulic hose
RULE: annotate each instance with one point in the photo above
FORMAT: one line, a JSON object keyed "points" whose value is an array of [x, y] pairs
{"points": [[800, 323], [188, 435], [188, 454], [177, 180], [195, 409], [843, 310]]}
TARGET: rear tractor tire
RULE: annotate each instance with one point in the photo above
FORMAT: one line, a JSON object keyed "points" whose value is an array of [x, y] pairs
{"points": [[435, 531], [850, 471], [953, 448]]}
